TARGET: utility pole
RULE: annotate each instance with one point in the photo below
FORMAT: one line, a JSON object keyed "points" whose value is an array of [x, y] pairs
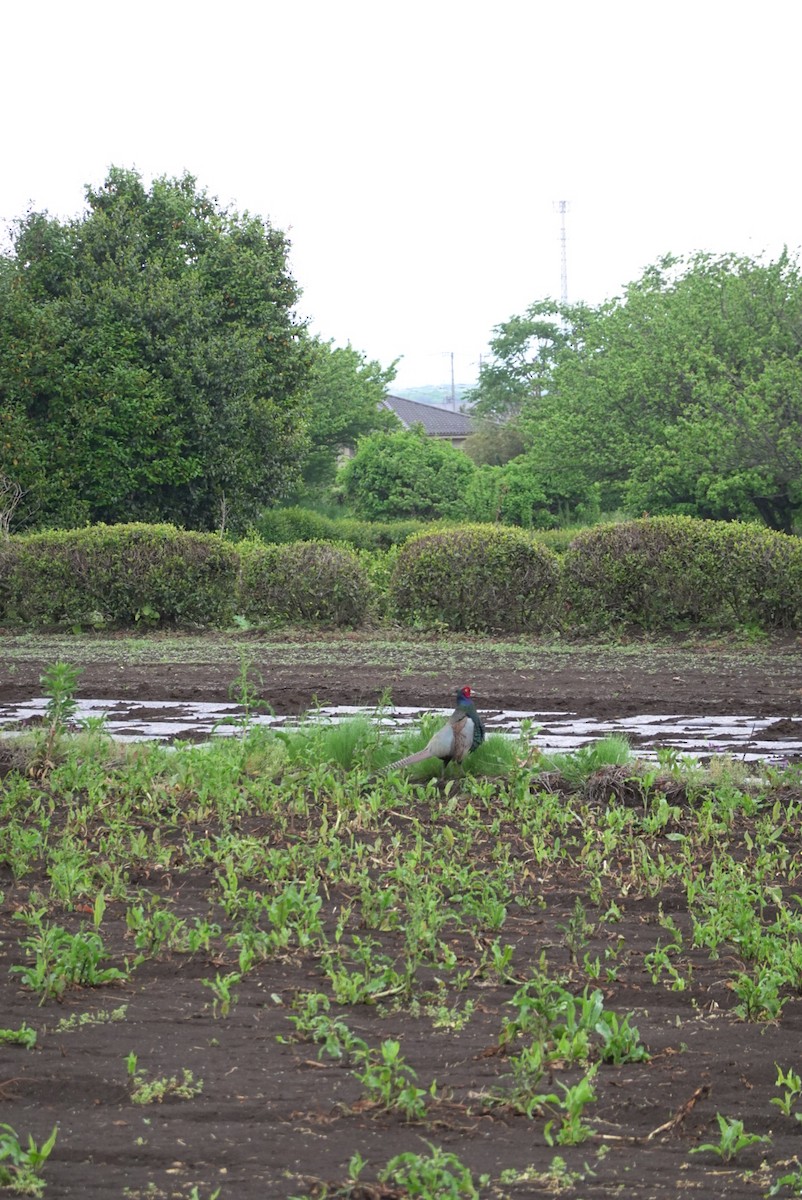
{"points": [[453, 392], [562, 208]]}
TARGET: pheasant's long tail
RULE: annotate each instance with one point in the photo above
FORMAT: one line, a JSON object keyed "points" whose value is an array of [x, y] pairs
{"points": [[410, 758]]}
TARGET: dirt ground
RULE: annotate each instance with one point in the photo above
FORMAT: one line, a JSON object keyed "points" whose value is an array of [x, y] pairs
{"points": [[275, 1119], [689, 676]]}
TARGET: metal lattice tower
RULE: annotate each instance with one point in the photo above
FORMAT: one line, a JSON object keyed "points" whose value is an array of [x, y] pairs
{"points": [[562, 208]]}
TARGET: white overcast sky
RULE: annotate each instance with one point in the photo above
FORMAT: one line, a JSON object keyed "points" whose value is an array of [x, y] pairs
{"points": [[415, 152]]}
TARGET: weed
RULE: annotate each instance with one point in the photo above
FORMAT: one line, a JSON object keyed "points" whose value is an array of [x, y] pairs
{"points": [[21, 1167], [154, 1091], [24, 1036], [436, 1176], [58, 682], [732, 1139], [389, 1081], [79, 1020], [62, 959], [221, 988]]}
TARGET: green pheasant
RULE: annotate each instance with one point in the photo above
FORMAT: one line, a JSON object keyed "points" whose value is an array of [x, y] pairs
{"points": [[462, 733]]}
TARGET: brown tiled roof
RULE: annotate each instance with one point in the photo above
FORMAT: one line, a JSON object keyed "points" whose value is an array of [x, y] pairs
{"points": [[439, 422]]}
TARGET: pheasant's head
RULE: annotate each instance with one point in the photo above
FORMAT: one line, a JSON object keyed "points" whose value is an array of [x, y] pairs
{"points": [[464, 697]]}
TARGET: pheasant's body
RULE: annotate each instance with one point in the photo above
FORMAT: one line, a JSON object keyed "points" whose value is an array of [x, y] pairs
{"points": [[462, 733]]}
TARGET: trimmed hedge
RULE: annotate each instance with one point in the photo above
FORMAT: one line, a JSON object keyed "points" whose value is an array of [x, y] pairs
{"points": [[659, 574], [303, 581], [476, 577], [663, 572], [118, 575]]}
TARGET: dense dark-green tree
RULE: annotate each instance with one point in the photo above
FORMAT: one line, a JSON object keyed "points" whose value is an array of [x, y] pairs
{"points": [[682, 396], [406, 474], [151, 364], [344, 403]]}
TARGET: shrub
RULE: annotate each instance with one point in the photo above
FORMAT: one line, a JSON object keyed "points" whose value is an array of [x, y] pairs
{"points": [[281, 525], [662, 572], [406, 474], [476, 577], [303, 581], [116, 575]]}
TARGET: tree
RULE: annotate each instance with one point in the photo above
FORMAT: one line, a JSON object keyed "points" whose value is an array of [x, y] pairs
{"points": [[151, 365], [406, 474], [681, 396], [523, 351], [344, 403]]}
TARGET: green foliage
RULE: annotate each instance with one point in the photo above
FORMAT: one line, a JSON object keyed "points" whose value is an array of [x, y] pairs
{"points": [[344, 398], [680, 397], [476, 577], [523, 353], [61, 960], [509, 495], [154, 1091], [494, 443], [406, 474], [439, 1175], [151, 366], [21, 1167], [296, 524], [24, 1036], [664, 571], [732, 1139], [113, 575], [303, 581]]}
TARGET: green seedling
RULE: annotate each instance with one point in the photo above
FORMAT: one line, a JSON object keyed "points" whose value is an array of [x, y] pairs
{"points": [[79, 1020], [21, 1167], [58, 682], [155, 1091], [24, 1036], [221, 988], [389, 1081], [732, 1139], [573, 1129], [791, 1083], [439, 1175], [62, 960]]}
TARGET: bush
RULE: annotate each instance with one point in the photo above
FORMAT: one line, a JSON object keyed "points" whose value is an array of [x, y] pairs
{"points": [[664, 572], [281, 525], [476, 577], [303, 581], [407, 475], [116, 575]]}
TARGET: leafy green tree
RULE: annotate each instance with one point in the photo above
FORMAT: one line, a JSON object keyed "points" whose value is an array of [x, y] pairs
{"points": [[681, 396], [523, 350], [151, 365], [494, 443], [344, 403], [406, 474]]}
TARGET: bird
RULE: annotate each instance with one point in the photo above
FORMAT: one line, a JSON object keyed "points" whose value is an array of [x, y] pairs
{"points": [[462, 733]]}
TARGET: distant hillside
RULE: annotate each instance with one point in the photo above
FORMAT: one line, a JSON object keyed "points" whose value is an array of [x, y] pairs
{"points": [[435, 393]]}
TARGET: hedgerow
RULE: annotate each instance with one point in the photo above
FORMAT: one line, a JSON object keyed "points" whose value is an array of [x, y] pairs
{"points": [[117, 575], [665, 572], [657, 574], [475, 577], [303, 581]]}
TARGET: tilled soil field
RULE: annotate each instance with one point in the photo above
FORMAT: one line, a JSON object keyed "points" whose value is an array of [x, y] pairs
{"points": [[559, 917]]}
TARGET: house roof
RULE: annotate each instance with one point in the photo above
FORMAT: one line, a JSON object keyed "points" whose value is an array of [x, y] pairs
{"points": [[439, 422]]}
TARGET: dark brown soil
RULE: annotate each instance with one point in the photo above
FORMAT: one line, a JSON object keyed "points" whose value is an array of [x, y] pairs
{"points": [[275, 1120], [598, 680]]}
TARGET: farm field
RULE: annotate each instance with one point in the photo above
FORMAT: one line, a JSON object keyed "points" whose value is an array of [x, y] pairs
{"points": [[267, 969]]}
